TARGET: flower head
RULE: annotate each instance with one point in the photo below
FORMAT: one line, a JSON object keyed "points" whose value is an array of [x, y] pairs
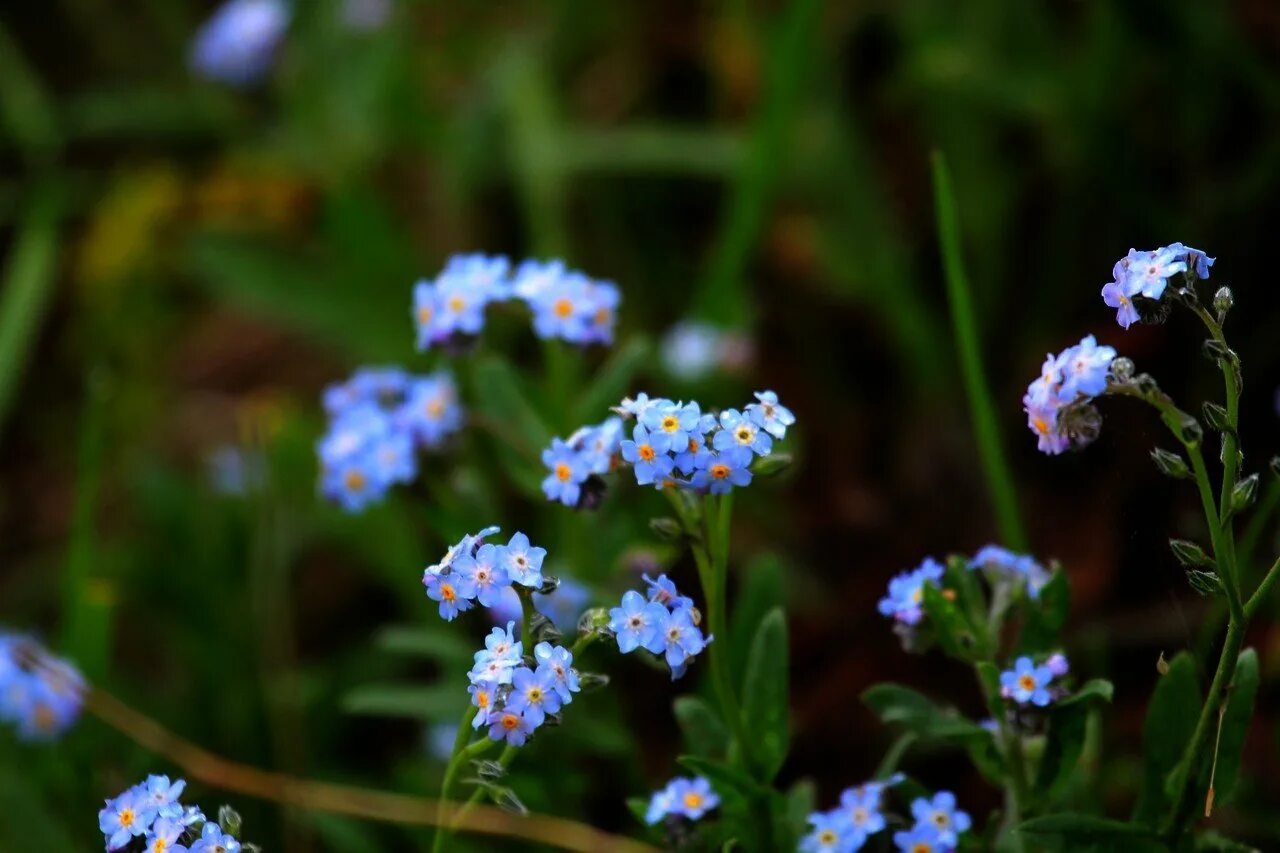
{"points": [[523, 561], [648, 454], [454, 591], [1027, 683], [237, 45], [905, 599], [557, 662], [720, 472], [40, 695], [533, 694], [739, 430], [941, 814], [831, 832], [510, 725], [126, 817], [214, 840], [921, 838], [770, 415], [638, 623], [567, 473], [689, 798], [1056, 400]]}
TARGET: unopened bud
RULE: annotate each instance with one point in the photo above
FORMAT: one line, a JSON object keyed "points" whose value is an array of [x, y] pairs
{"points": [[666, 529], [1122, 369], [1170, 464], [1223, 301], [1189, 553]]}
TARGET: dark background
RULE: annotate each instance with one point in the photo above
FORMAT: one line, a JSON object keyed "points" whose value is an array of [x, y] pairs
{"points": [[189, 265]]}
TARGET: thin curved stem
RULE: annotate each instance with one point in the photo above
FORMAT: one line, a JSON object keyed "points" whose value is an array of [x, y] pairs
{"points": [[217, 772], [1259, 596]]}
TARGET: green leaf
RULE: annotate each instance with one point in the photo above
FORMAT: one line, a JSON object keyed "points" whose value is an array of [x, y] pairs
{"points": [[800, 802], [894, 703], [403, 700], [970, 597], [765, 696], [953, 632], [504, 402], [1096, 690], [761, 591], [423, 642], [1046, 615], [1235, 725], [1062, 749], [1171, 718], [1078, 832], [612, 381], [639, 807], [725, 780], [704, 733]]}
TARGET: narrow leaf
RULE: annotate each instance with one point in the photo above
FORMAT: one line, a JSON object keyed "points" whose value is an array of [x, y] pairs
{"points": [[765, 694]]}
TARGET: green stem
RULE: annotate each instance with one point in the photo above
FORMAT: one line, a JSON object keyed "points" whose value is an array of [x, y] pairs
{"points": [[1015, 762], [504, 760], [1264, 589], [460, 741], [1259, 524], [581, 644], [526, 618], [982, 410]]}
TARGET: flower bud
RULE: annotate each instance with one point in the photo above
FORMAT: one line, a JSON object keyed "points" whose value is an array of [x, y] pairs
{"points": [[1216, 416], [1189, 431], [229, 820], [490, 771], [1122, 369], [594, 620], [590, 681], [772, 465], [1244, 493], [1170, 464], [666, 529], [1189, 553], [1205, 583], [1223, 301]]}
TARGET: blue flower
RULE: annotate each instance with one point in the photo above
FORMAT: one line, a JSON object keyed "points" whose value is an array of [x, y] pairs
{"points": [[663, 590], [692, 798], [720, 472], [994, 558], [126, 817], [905, 599], [483, 694], [454, 592], [660, 805], [739, 430], [507, 607], [675, 420], [691, 350], [557, 661], [1058, 665], [1027, 683], [832, 833], [1119, 294], [647, 453], [562, 308], [639, 623], [40, 695], [483, 574], [941, 814], [237, 45], [511, 726], [1195, 259], [597, 446], [535, 278], [683, 641], [568, 472], [637, 407], [601, 312], [214, 840], [1074, 376], [770, 415], [533, 694], [1085, 368], [163, 795], [522, 561], [921, 838], [1149, 272], [501, 654], [430, 412], [164, 836]]}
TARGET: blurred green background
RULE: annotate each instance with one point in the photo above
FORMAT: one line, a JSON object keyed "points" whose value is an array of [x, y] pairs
{"points": [[187, 265]]}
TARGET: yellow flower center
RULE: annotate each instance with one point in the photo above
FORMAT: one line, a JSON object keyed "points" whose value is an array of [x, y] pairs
{"points": [[670, 423], [457, 304], [510, 721], [447, 593], [127, 818], [435, 409], [482, 699], [828, 836], [1040, 425], [425, 314], [354, 481], [1026, 682], [563, 308], [719, 471], [922, 847], [563, 472], [692, 800], [744, 435], [535, 694], [646, 452]]}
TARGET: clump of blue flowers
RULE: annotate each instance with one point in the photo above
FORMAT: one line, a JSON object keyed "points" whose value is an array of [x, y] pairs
{"points": [[1000, 563], [1058, 402], [1142, 277], [682, 798], [150, 817], [847, 827], [379, 420], [513, 695], [40, 695], [692, 350], [477, 571], [449, 310], [665, 623], [238, 44], [669, 445]]}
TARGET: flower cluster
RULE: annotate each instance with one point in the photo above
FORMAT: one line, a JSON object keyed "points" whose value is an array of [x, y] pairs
{"points": [[151, 813], [671, 445], [378, 420], [40, 695], [1020, 567], [572, 462], [237, 45], [682, 797], [1145, 275], [665, 623], [847, 827], [474, 570], [692, 350], [1029, 684], [1057, 403], [566, 304], [514, 695], [905, 599]]}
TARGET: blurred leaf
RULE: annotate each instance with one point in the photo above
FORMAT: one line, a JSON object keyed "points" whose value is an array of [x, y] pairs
{"points": [[28, 825], [726, 781], [506, 401], [765, 694], [950, 628], [1046, 616], [25, 107], [423, 642], [1094, 690], [342, 833], [403, 700], [894, 703], [612, 381], [659, 149], [704, 733], [1080, 832], [1171, 719], [1235, 726], [761, 590], [639, 807], [1062, 750]]}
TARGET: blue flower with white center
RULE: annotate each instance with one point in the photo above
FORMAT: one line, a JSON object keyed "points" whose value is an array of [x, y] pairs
{"points": [[557, 662], [663, 590], [125, 818], [639, 623], [941, 814], [565, 605], [831, 833], [533, 694], [675, 420], [770, 415], [692, 798], [1150, 271], [214, 840], [501, 644], [905, 601], [640, 405], [164, 836], [237, 45], [163, 795], [1027, 683], [1085, 368], [510, 725], [683, 641], [454, 592], [522, 561], [921, 838], [739, 430], [568, 472], [862, 811], [483, 574], [648, 454], [483, 694], [430, 412], [718, 473]]}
